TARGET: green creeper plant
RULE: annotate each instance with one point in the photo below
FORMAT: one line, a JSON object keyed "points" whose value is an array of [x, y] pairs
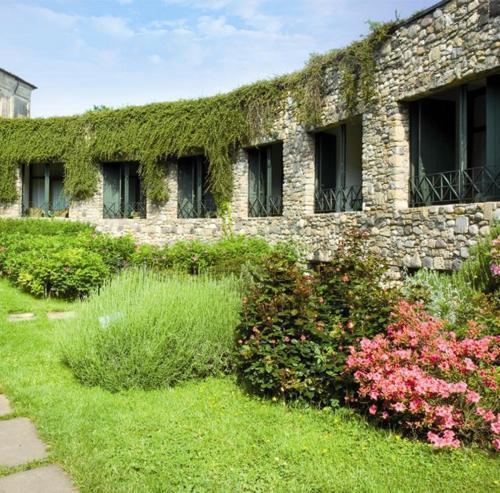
{"points": [[214, 126]]}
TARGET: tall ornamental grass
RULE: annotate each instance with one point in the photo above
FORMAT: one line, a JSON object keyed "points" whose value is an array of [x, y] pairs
{"points": [[146, 330]]}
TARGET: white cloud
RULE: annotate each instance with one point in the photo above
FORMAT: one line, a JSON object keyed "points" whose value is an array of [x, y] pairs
{"points": [[63, 21], [155, 59], [114, 26], [215, 27]]}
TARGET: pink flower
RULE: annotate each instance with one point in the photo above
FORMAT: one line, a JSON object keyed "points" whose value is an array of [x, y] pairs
{"points": [[399, 407], [495, 427], [495, 269], [472, 397], [496, 443], [372, 409], [446, 440]]}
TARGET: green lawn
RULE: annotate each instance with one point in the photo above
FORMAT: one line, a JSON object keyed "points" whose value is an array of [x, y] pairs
{"points": [[207, 436]]}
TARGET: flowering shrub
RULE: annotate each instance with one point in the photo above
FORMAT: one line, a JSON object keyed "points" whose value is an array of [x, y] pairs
{"points": [[296, 326], [421, 377], [352, 286], [283, 348]]}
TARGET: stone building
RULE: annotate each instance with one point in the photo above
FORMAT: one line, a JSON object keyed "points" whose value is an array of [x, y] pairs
{"points": [[420, 173], [15, 95]]}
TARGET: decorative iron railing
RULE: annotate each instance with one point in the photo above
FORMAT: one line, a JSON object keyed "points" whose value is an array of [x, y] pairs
{"points": [[451, 187], [271, 206], [133, 210], [46, 209], [192, 209], [338, 200]]}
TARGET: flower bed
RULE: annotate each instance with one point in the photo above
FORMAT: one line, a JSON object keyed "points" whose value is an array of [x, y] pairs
{"points": [[421, 377]]}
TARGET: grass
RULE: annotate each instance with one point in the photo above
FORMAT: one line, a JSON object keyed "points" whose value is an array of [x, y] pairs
{"points": [[148, 330], [208, 435]]}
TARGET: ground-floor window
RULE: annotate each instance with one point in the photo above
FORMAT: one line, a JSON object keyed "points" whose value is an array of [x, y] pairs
{"points": [[338, 158], [265, 180], [43, 193], [455, 145], [123, 194], [194, 197]]}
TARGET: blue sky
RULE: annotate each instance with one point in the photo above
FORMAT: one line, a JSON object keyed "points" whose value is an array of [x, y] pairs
{"points": [[118, 52]]}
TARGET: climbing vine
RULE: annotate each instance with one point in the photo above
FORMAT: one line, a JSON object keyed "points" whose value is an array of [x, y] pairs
{"points": [[215, 126]]}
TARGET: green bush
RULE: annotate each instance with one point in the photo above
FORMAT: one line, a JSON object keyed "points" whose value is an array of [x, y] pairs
{"points": [[59, 258], [296, 326], [223, 257], [45, 239], [284, 350], [146, 330], [70, 273], [116, 252], [475, 271], [353, 288], [470, 294], [46, 227]]}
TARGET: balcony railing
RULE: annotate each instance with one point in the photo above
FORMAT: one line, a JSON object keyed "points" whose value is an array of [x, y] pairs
{"points": [[338, 200], [133, 210], [452, 187], [45, 209], [192, 209], [271, 206]]}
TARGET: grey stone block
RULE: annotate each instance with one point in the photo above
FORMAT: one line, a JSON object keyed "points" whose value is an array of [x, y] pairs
{"points": [[19, 443], [5, 408], [48, 479]]}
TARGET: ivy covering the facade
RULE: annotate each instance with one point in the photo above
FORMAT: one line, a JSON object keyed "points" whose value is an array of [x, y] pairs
{"points": [[214, 126]]}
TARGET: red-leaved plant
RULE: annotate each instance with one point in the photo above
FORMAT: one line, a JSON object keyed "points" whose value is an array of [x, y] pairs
{"points": [[420, 377]]}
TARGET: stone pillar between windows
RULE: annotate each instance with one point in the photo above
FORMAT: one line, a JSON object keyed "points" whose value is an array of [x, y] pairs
{"points": [[90, 209], [239, 201]]}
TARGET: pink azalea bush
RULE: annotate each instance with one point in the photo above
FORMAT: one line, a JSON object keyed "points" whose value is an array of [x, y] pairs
{"points": [[421, 377]]}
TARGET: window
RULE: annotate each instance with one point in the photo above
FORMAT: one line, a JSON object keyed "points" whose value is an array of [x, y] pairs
{"points": [[455, 145], [123, 191], [338, 168], [194, 198], [265, 181], [43, 194]]}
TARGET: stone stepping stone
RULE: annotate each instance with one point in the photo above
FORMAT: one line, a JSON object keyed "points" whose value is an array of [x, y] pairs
{"points": [[5, 408], [48, 479], [20, 317], [19, 443], [60, 315]]}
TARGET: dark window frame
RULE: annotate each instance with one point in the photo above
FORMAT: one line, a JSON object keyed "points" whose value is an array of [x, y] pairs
{"points": [[194, 198], [334, 196], [51, 205], [463, 183], [265, 180], [123, 192]]}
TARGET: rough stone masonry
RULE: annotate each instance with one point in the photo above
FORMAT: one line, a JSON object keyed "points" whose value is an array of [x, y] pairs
{"points": [[453, 43]]}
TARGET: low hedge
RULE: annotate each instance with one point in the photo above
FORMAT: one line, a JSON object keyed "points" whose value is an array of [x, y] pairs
{"points": [[69, 260]]}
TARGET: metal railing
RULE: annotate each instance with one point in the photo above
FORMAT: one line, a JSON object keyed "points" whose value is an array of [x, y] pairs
{"points": [[45, 209], [338, 200], [271, 206], [451, 187], [193, 209], [133, 210]]}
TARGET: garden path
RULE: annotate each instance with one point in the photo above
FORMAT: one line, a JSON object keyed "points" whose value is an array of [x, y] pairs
{"points": [[21, 446]]}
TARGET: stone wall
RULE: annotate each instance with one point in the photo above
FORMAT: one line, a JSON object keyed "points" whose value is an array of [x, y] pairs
{"points": [[455, 42]]}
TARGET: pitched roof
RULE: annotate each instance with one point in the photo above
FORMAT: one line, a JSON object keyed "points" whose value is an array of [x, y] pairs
{"points": [[17, 78]]}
